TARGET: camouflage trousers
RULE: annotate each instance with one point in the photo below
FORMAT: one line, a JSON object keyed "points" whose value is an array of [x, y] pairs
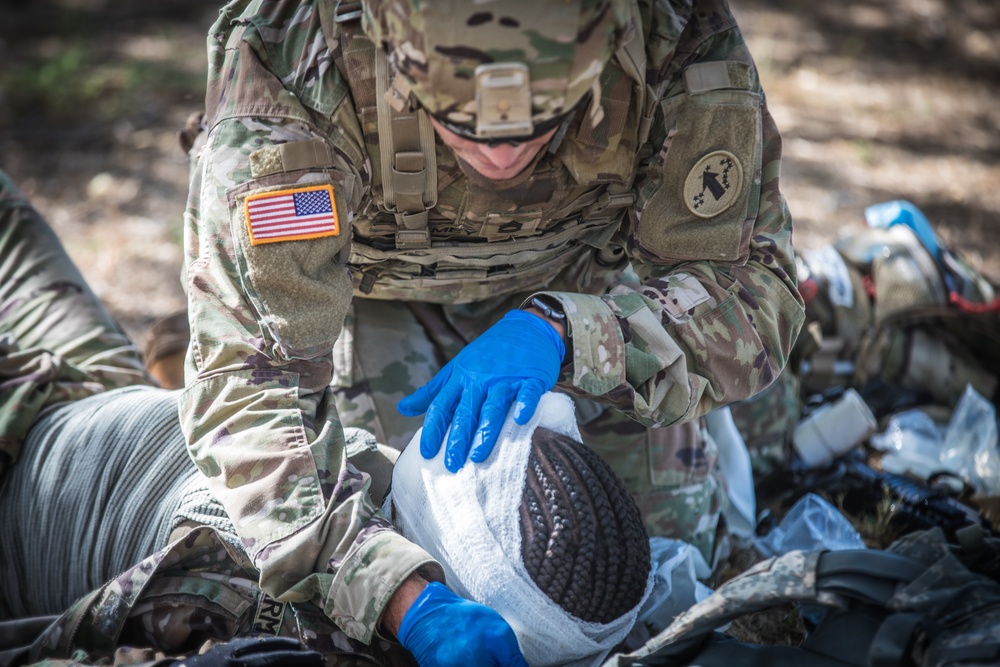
{"points": [[389, 349], [57, 342]]}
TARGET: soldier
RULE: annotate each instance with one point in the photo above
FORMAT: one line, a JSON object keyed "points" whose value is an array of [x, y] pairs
{"points": [[94, 477], [425, 204]]}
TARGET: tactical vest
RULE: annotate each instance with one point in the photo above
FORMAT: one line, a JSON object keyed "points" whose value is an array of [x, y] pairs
{"points": [[431, 234]]}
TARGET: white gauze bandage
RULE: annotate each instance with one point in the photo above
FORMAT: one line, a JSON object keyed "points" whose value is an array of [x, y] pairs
{"points": [[470, 522]]}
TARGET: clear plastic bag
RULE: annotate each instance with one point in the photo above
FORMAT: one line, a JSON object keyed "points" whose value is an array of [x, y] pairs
{"points": [[913, 443], [677, 567], [811, 524], [970, 445], [734, 464]]}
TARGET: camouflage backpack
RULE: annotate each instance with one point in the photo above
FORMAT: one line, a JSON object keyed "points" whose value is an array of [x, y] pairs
{"points": [[886, 310], [916, 603]]}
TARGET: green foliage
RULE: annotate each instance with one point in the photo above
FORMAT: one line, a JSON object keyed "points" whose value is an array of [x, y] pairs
{"points": [[80, 81]]}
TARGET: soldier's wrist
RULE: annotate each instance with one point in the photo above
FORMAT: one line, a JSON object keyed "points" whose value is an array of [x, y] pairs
{"points": [[401, 601], [551, 311]]}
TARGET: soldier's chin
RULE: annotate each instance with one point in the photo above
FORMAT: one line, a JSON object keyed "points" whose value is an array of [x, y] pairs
{"points": [[497, 178]]}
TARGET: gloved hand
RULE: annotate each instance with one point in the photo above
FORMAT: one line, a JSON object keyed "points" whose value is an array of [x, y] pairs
{"points": [[256, 652], [517, 359], [442, 629]]}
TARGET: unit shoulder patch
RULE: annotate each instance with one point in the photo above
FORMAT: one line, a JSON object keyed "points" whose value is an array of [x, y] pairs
{"points": [[295, 214], [713, 184]]}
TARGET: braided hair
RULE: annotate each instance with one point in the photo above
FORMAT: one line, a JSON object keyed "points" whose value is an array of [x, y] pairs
{"points": [[582, 538]]}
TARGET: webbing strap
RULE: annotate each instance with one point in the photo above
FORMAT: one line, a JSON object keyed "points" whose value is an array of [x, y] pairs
{"points": [[875, 563], [409, 162], [702, 77], [632, 57], [865, 575], [893, 639]]}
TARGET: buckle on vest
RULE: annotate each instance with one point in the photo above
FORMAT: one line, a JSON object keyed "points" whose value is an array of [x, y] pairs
{"points": [[413, 239], [367, 281], [615, 200]]}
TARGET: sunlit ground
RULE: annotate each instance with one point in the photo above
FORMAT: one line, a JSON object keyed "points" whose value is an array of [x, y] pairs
{"points": [[876, 100]]}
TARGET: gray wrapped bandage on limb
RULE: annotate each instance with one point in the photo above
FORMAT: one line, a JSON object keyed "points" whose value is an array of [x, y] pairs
{"points": [[100, 484]]}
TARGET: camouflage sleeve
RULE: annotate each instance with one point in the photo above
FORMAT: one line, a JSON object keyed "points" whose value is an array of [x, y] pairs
{"points": [[257, 411], [718, 308]]}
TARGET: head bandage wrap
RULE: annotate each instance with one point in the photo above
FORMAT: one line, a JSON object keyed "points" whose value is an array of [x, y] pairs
{"points": [[542, 532]]}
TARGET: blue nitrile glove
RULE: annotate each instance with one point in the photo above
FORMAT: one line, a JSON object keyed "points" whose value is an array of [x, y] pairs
{"points": [[517, 359], [442, 629], [256, 652]]}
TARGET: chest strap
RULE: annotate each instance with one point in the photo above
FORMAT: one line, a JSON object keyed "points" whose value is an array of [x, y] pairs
{"points": [[407, 155], [409, 160]]}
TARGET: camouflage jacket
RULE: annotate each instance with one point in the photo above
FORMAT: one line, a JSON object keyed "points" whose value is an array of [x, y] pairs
{"points": [[707, 231]]}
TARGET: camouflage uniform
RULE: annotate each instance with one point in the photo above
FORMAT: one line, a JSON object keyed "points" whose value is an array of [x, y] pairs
{"points": [[688, 193], [57, 343], [193, 593]]}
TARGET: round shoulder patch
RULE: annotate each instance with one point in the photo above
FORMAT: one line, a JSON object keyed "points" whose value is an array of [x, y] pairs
{"points": [[713, 184]]}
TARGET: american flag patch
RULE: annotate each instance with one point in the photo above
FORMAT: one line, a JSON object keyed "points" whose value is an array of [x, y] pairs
{"points": [[292, 215]]}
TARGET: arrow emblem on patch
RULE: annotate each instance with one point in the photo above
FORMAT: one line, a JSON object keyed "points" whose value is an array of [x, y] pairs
{"points": [[713, 184]]}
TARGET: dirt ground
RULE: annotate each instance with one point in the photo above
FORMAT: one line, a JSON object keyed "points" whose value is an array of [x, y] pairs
{"points": [[876, 100]]}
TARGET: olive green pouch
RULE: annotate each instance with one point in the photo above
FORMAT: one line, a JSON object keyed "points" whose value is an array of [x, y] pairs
{"points": [[707, 203]]}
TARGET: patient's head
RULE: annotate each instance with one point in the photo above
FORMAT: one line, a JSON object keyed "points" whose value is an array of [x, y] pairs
{"points": [[543, 532], [582, 538]]}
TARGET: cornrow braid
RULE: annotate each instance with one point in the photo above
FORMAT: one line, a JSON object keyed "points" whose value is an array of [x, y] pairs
{"points": [[583, 541]]}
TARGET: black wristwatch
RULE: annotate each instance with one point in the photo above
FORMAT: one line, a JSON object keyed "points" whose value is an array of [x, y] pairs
{"points": [[549, 307], [552, 309]]}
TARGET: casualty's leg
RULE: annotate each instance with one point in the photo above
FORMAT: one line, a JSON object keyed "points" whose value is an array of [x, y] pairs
{"points": [[61, 503], [46, 304], [57, 343]]}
